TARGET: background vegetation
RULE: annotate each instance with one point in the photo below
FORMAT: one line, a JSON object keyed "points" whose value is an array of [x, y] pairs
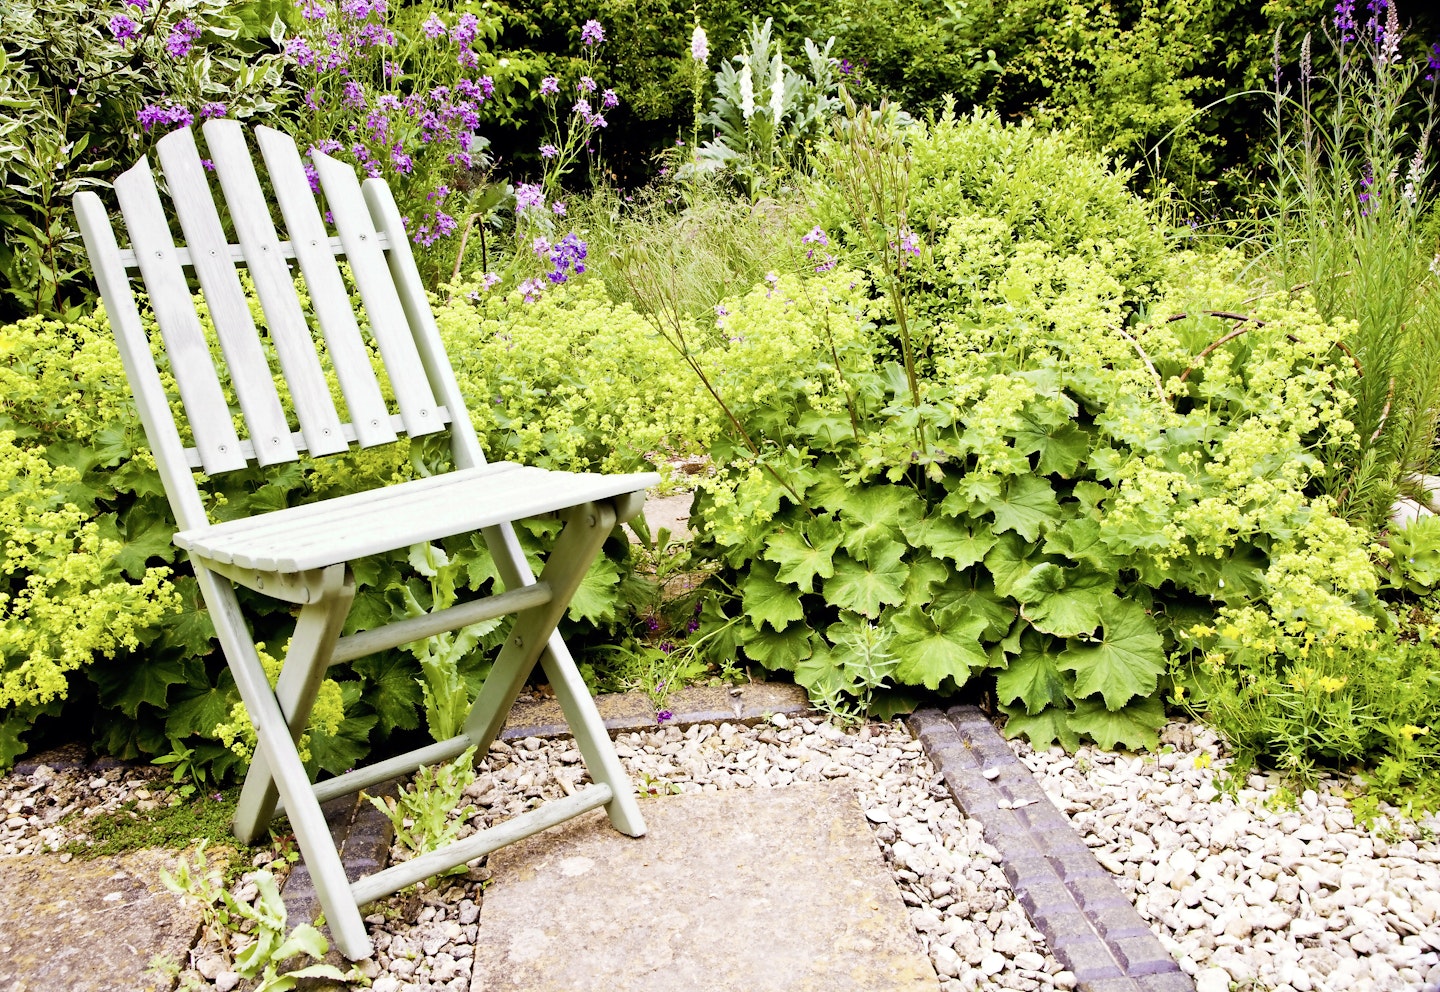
{"points": [[1068, 354]]}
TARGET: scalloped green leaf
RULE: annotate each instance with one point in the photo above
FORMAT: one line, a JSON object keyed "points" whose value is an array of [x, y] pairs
{"points": [[867, 586], [805, 552], [1027, 505], [1062, 447], [391, 690], [1064, 601], [1136, 726], [782, 650], [1011, 560], [767, 601], [963, 542], [1125, 662], [595, 599], [930, 648], [1033, 678], [1041, 729], [926, 574], [1079, 540], [975, 594], [871, 519]]}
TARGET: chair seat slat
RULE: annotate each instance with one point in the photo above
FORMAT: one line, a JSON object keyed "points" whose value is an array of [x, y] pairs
{"points": [[315, 252], [363, 524], [388, 322], [190, 361], [250, 216]]}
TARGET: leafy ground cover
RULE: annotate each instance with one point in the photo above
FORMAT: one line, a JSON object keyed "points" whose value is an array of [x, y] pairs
{"points": [[980, 417]]}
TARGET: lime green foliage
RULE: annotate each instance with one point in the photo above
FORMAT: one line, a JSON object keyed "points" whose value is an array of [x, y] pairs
{"points": [[1074, 486], [1323, 702], [252, 938], [428, 814], [571, 381]]}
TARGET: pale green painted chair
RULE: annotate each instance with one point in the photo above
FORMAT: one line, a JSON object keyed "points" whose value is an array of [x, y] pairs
{"points": [[301, 554]]}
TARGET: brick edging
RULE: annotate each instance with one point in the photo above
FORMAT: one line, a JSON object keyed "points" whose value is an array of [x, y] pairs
{"points": [[1088, 923]]}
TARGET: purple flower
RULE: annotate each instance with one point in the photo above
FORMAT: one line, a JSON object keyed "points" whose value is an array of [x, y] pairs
{"points": [[909, 243], [845, 67], [312, 11], [210, 110], [354, 94], [392, 69], [548, 151], [664, 716], [466, 29], [826, 265], [597, 121], [567, 256], [558, 208], [1433, 63], [1345, 20], [582, 107], [592, 33], [815, 237], [433, 26], [609, 100], [141, 5], [490, 280], [403, 163], [528, 195], [531, 289], [182, 38], [549, 86], [540, 246], [586, 85], [123, 28], [155, 114], [299, 49]]}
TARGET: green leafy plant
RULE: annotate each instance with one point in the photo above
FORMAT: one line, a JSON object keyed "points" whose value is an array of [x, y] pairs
{"points": [[766, 113], [428, 814], [261, 955]]}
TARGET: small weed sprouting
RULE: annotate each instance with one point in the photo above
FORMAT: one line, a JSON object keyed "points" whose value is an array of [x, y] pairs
{"points": [[260, 953], [427, 816]]}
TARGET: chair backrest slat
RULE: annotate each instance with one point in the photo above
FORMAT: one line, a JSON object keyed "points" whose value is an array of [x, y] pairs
{"points": [[250, 216], [328, 295], [190, 362], [250, 373], [388, 322]]}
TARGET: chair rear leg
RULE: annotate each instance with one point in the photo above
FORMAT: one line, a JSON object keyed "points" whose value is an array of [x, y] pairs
{"points": [[591, 737], [306, 661]]}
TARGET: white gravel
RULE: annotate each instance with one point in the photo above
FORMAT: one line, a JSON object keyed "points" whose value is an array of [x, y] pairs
{"points": [[1248, 894], [1251, 891]]}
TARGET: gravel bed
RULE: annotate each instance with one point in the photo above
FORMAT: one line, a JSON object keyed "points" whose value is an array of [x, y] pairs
{"points": [[34, 808], [1252, 891]]}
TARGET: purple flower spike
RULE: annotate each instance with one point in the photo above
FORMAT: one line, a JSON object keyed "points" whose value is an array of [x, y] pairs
{"points": [[592, 33], [213, 110], [433, 26], [123, 28], [548, 151], [586, 85], [182, 38], [609, 100], [549, 86], [528, 195]]}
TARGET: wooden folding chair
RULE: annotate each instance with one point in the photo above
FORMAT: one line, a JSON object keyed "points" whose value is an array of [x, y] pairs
{"points": [[300, 554]]}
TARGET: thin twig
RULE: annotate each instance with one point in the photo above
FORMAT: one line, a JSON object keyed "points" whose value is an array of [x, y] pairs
{"points": [[1159, 384], [1384, 412]]}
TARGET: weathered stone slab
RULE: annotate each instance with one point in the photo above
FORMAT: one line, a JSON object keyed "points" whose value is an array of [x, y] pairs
{"points": [[776, 889], [90, 926]]}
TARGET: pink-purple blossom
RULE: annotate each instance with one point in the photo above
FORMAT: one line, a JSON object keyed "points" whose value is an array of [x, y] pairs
{"points": [[549, 86], [592, 33], [123, 28], [154, 114], [213, 109], [548, 151], [609, 100], [586, 85], [433, 26], [528, 195], [182, 38]]}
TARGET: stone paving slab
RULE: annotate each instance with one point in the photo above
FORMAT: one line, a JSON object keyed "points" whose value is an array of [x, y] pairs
{"points": [[90, 926], [777, 889]]}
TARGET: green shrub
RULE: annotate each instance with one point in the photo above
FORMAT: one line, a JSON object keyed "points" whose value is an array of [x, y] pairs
{"points": [[1075, 485]]}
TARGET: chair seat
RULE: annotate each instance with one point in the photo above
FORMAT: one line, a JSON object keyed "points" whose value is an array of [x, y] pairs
{"points": [[334, 531]]}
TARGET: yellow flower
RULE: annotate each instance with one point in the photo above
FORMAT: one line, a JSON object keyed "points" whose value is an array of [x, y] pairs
{"points": [[1330, 684], [1411, 731]]}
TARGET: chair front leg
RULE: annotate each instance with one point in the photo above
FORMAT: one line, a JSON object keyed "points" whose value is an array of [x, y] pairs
{"points": [[306, 661]]}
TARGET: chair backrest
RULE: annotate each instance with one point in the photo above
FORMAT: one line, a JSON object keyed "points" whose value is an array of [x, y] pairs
{"points": [[368, 232]]}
